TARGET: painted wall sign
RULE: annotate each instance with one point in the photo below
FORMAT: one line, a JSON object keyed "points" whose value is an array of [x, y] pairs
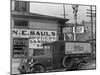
{"points": [[37, 37]]}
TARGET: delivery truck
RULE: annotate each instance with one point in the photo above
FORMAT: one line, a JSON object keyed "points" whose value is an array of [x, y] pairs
{"points": [[58, 56]]}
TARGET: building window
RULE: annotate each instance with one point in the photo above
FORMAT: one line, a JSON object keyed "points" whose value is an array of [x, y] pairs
{"points": [[20, 23], [21, 6], [20, 47]]}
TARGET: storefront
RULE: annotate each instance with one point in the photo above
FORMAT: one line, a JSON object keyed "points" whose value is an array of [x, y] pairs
{"points": [[30, 31]]}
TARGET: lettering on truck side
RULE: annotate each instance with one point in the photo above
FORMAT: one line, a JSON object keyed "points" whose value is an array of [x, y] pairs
{"points": [[78, 48]]}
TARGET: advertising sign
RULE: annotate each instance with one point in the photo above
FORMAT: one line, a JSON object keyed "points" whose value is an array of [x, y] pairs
{"points": [[68, 30], [36, 37], [79, 29]]}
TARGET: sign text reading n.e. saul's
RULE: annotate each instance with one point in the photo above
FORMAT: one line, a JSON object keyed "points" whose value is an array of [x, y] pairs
{"points": [[37, 37]]}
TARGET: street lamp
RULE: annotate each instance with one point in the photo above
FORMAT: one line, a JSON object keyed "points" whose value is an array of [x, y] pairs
{"points": [[75, 10]]}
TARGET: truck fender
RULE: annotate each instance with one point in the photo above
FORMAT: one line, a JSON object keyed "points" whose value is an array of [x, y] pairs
{"points": [[71, 61], [83, 60]]}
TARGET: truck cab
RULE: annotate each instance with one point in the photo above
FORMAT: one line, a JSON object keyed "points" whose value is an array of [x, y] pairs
{"points": [[52, 56]]}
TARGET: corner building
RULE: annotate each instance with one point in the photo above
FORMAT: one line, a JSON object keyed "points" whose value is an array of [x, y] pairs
{"points": [[30, 30]]}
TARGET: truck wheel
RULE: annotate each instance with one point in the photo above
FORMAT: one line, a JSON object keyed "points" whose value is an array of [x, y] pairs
{"points": [[38, 69], [21, 69], [67, 62], [86, 66], [81, 66]]}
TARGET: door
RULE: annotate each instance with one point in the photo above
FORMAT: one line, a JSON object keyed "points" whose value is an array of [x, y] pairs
{"points": [[44, 56], [58, 54]]}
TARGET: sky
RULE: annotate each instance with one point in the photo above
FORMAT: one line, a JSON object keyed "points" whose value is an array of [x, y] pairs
{"points": [[57, 10]]}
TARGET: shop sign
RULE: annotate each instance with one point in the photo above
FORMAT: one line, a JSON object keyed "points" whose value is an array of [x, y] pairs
{"points": [[36, 37], [37, 43]]}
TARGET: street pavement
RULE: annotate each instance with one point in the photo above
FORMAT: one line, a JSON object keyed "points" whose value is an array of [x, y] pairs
{"points": [[16, 62]]}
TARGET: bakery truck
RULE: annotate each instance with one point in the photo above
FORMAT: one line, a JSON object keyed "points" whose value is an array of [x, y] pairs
{"points": [[60, 55]]}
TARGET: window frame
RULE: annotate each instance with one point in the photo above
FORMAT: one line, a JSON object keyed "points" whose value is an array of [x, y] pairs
{"points": [[19, 5], [21, 26], [25, 51], [35, 50]]}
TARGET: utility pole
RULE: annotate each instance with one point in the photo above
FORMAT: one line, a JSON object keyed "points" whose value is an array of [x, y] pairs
{"points": [[75, 10], [92, 14], [62, 24], [64, 11]]}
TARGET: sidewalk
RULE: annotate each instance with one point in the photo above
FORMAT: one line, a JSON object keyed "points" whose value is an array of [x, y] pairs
{"points": [[15, 64]]}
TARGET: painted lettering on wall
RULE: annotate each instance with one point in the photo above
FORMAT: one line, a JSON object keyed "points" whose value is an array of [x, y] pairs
{"points": [[37, 37]]}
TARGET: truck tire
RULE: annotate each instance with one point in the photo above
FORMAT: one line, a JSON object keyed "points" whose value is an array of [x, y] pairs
{"points": [[38, 68], [81, 66], [86, 66], [67, 64], [21, 69]]}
